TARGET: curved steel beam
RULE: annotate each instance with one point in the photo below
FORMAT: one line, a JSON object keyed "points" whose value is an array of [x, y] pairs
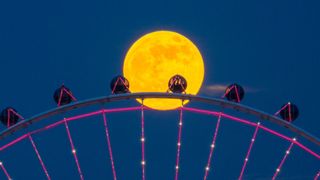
{"points": [[112, 98]]}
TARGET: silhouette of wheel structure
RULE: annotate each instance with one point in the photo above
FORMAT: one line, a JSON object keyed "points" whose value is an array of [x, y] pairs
{"points": [[114, 137]]}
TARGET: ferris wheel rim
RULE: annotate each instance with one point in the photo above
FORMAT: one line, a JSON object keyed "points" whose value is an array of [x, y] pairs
{"points": [[119, 97]]}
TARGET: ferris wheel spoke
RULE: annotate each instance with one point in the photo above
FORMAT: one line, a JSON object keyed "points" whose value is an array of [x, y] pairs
{"points": [[212, 146], [109, 145], [73, 149], [143, 162], [179, 145], [283, 159], [5, 171], [253, 139], [39, 157]]}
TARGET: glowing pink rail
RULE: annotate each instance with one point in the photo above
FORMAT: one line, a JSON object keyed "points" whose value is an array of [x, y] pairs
{"points": [[73, 150], [60, 96], [138, 108], [254, 124], [8, 118], [283, 160], [212, 146], [219, 114], [285, 106], [143, 161], [249, 150], [289, 109], [5, 171], [13, 142], [109, 146], [178, 146], [68, 119], [39, 157]]}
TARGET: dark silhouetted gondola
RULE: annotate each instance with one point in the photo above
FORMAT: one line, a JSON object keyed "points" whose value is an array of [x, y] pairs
{"points": [[63, 96], [289, 112], [9, 116], [234, 92], [177, 84], [119, 85]]}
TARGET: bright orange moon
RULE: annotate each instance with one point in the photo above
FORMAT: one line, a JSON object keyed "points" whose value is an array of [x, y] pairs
{"points": [[154, 58]]}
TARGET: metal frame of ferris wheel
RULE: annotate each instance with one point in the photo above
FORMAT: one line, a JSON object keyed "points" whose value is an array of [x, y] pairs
{"points": [[262, 116], [213, 101]]}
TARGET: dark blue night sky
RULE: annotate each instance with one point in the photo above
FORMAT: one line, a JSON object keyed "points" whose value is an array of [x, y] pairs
{"points": [[270, 47]]}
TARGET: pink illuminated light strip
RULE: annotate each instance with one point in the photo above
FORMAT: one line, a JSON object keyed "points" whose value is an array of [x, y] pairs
{"points": [[89, 115], [8, 118], [115, 85], [73, 150], [253, 124], [227, 91], [60, 97], [290, 117], [178, 145], [201, 111], [69, 119], [281, 109], [283, 160], [109, 146], [238, 98], [249, 150], [290, 140], [143, 162], [212, 148], [69, 93], [5, 171], [188, 109], [39, 157], [13, 142]]}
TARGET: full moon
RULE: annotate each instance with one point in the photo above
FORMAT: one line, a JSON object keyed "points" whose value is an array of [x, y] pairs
{"points": [[156, 57]]}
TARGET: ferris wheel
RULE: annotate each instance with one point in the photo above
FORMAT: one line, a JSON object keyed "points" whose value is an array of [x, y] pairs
{"points": [[113, 137]]}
